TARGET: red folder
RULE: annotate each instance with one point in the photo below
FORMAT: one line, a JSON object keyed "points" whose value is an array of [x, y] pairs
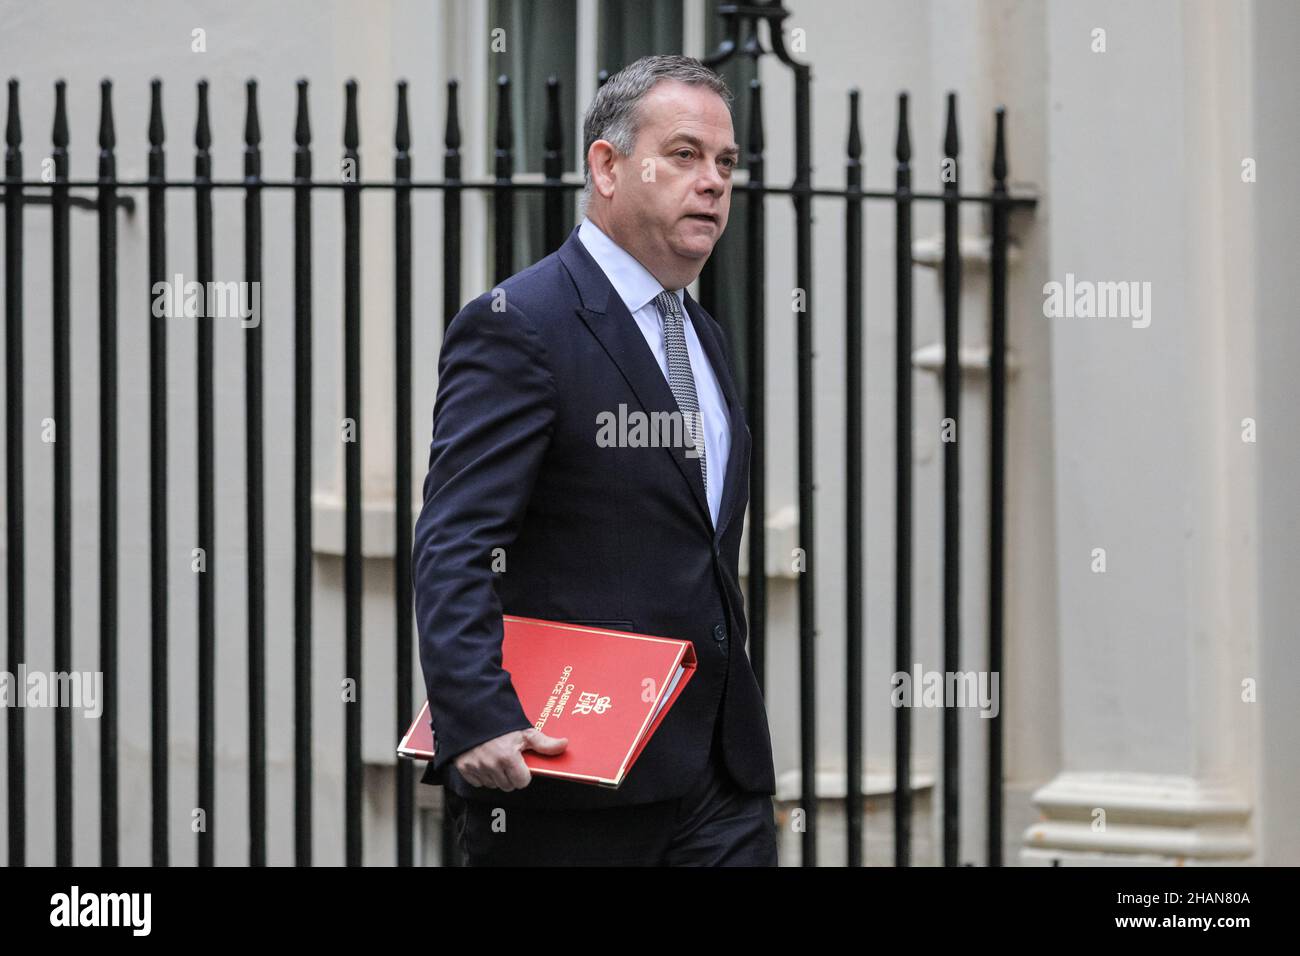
{"points": [[606, 690]]}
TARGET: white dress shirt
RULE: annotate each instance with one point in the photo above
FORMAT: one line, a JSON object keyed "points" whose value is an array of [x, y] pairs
{"points": [[638, 288]]}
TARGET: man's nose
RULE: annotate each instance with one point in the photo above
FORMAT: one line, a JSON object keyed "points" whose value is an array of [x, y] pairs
{"points": [[711, 181]]}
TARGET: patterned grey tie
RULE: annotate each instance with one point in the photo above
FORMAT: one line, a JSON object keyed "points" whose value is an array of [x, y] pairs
{"points": [[680, 378]]}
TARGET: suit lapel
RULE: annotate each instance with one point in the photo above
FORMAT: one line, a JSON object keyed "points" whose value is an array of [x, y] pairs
{"points": [[739, 433], [604, 313]]}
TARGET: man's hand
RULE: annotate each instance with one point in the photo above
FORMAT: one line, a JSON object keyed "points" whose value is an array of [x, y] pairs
{"points": [[497, 763]]}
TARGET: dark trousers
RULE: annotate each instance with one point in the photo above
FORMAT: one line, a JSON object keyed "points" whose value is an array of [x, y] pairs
{"points": [[714, 824]]}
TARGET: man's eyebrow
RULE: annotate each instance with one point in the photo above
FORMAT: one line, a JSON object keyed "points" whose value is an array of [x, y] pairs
{"points": [[732, 150]]}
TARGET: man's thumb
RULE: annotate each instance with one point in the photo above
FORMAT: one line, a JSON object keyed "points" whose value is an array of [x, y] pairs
{"points": [[536, 740]]}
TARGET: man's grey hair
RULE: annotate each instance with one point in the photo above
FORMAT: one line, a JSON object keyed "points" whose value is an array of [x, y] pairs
{"points": [[614, 113]]}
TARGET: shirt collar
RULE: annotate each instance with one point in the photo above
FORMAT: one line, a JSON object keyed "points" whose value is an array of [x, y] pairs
{"points": [[631, 280]]}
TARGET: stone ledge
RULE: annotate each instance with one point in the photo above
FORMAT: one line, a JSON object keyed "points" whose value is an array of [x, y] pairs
{"points": [[1148, 817]]}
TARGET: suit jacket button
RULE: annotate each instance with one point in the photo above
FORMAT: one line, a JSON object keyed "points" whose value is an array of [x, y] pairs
{"points": [[719, 632]]}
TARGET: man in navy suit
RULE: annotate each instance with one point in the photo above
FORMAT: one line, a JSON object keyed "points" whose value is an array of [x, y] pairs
{"points": [[528, 511]]}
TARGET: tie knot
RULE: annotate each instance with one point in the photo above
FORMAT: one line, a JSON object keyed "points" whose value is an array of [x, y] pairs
{"points": [[668, 305]]}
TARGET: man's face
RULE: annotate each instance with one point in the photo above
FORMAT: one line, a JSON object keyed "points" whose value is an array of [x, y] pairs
{"points": [[673, 194]]}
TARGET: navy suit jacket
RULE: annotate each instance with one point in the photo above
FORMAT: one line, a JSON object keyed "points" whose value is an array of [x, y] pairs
{"points": [[618, 537]]}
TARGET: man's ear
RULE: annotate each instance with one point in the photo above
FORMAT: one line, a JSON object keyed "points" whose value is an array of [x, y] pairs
{"points": [[600, 160]]}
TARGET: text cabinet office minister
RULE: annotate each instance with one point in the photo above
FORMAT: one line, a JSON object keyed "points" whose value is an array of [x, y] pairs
{"points": [[637, 538]]}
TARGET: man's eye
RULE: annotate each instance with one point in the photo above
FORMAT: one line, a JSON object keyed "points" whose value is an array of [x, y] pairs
{"points": [[684, 153]]}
